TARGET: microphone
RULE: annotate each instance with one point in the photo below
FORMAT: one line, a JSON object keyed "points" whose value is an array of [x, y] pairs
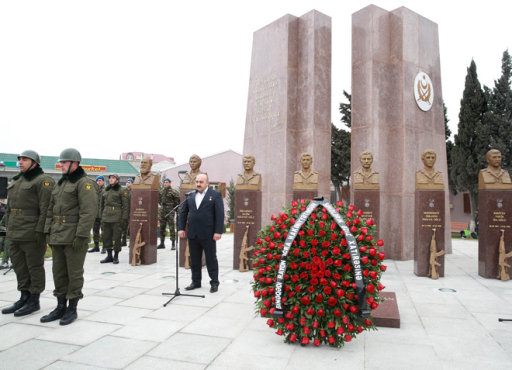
{"points": [[190, 192]]}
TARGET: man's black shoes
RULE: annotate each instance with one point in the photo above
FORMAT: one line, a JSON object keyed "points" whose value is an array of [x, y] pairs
{"points": [[193, 286], [214, 289]]}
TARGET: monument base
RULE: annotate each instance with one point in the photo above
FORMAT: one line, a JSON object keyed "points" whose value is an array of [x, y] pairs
{"points": [[387, 315], [144, 212], [494, 215], [429, 229], [247, 225], [368, 201]]}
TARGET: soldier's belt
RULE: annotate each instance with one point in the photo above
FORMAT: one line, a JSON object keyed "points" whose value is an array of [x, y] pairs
{"points": [[23, 212], [64, 219], [110, 208]]}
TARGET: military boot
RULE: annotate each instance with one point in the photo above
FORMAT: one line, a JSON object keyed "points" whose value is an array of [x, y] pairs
{"points": [[96, 248], [108, 258], [32, 305], [58, 312], [161, 245], [25, 295], [70, 314], [116, 258], [173, 247]]}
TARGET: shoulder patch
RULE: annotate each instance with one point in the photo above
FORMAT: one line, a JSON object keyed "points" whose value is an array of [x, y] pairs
{"points": [[88, 186], [125, 192], [46, 184]]}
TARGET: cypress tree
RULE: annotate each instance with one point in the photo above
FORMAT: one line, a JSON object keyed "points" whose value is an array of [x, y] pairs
{"points": [[499, 115], [340, 147], [471, 141]]}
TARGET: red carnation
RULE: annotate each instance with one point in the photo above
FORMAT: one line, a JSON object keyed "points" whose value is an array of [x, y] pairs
{"points": [[303, 321], [315, 324], [339, 203], [351, 207], [293, 338], [383, 267], [279, 332], [382, 255], [306, 330], [331, 340], [340, 330], [380, 243], [310, 311], [321, 233], [345, 320], [349, 215], [353, 229], [319, 298], [359, 212], [320, 313], [263, 312], [364, 260], [337, 312], [305, 300], [304, 341], [373, 252], [340, 292], [364, 230], [313, 216], [316, 342], [347, 338], [370, 288], [295, 203], [270, 322], [357, 221], [310, 232], [380, 287], [332, 301], [322, 333], [369, 222]]}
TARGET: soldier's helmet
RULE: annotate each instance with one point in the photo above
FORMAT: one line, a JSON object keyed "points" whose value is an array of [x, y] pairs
{"points": [[70, 154], [32, 154], [116, 175]]}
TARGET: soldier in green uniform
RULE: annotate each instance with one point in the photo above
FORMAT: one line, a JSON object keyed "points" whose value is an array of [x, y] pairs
{"points": [[73, 208], [28, 197], [114, 205], [96, 228], [168, 199], [128, 195]]}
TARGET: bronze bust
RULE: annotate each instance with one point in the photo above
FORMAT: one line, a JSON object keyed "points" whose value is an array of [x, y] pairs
{"points": [[494, 177], [428, 178], [306, 178], [248, 180], [146, 179], [189, 182], [366, 178]]}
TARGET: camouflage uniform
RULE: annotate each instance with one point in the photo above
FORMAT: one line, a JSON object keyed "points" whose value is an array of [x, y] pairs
{"points": [[126, 228], [28, 196], [96, 228], [168, 199], [114, 206]]}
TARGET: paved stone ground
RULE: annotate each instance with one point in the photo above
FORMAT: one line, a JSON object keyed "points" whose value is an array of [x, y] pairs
{"points": [[122, 323]]}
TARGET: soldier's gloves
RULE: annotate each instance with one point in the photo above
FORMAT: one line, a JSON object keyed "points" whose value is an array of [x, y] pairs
{"points": [[79, 243], [40, 238]]}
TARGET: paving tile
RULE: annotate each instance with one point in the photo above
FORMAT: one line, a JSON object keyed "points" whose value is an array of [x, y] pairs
{"points": [[184, 347], [149, 329], [111, 352], [118, 314], [81, 332], [34, 354], [154, 363], [17, 333]]}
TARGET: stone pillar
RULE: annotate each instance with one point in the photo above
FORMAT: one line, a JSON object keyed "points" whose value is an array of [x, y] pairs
{"points": [[144, 210], [289, 104], [247, 223], [494, 216], [389, 49], [429, 227]]}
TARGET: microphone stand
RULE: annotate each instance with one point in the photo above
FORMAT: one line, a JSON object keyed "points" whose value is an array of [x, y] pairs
{"points": [[177, 291]]}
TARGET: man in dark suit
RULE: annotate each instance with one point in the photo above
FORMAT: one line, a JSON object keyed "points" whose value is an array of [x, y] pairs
{"points": [[203, 211]]}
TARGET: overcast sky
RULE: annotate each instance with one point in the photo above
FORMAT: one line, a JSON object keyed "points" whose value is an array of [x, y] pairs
{"points": [[171, 77]]}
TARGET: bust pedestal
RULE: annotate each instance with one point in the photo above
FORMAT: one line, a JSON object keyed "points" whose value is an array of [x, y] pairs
{"points": [[144, 210], [494, 215], [247, 220], [429, 215], [368, 201]]}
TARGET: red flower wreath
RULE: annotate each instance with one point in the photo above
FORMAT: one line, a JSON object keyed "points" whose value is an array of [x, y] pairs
{"points": [[319, 299]]}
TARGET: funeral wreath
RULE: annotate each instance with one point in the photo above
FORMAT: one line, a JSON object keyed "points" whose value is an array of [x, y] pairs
{"points": [[317, 270]]}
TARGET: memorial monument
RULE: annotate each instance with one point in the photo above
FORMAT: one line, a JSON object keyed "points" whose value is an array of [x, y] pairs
{"points": [[495, 217], [397, 107], [289, 104], [144, 214], [429, 220], [247, 213], [305, 181], [366, 189]]}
